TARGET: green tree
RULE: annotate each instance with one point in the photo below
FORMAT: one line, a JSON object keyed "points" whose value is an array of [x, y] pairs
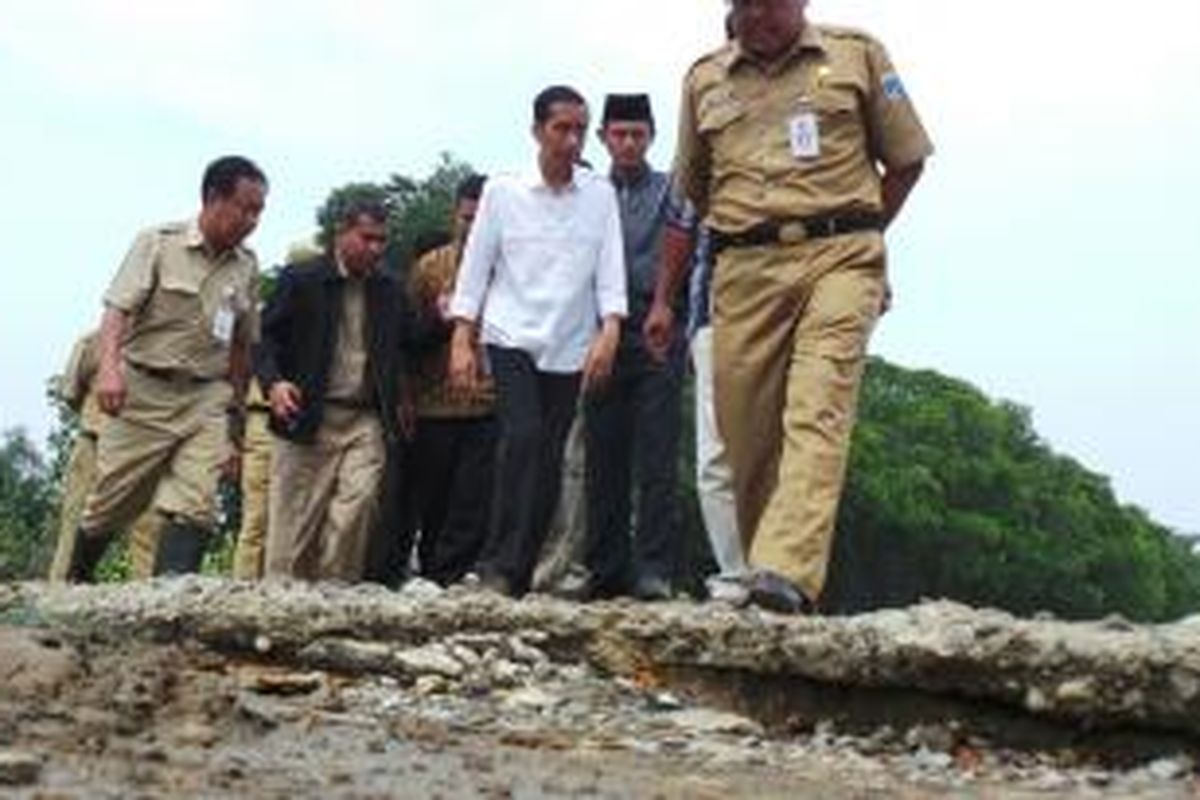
{"points": [[953, 495], [419, 209], [27, 506]]}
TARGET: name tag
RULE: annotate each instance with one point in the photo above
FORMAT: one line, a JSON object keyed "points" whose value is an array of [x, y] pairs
{"points": [[222, 326], [805, 135]]}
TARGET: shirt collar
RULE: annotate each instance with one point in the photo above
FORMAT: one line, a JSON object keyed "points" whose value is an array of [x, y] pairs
{"points": [[639, 177], [810, 40], [535, 180], [193, 239]]}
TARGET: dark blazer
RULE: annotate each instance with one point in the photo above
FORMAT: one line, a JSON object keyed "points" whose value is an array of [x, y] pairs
{"points": [[299, 327]]}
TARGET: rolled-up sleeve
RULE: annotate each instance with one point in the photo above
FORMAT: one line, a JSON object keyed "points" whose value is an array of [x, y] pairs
{"points": [[611, 294], [135, 279], [479, 259]]}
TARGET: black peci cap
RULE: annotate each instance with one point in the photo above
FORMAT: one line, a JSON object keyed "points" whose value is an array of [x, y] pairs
{"points": [[627, 108]]}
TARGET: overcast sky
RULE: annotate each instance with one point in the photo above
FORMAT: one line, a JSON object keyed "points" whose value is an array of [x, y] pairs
{"points": [[1050, 256]]}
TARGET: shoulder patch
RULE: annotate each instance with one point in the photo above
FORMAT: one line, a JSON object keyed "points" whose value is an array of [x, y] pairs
{"points": [[171, 228], [893, 87]]}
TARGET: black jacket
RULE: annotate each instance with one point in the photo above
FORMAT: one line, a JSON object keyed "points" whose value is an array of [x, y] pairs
{"points": [[299, 327]]}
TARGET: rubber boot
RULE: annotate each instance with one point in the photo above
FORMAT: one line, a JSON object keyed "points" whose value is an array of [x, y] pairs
{"points": [[180, 548], [89, 551]]}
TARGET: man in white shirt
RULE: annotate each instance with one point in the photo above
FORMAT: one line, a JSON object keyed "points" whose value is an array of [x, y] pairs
{"points": [[542, 286]]}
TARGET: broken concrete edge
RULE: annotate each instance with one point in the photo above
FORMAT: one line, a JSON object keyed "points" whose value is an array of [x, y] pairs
{"points": [[1101, 675]]}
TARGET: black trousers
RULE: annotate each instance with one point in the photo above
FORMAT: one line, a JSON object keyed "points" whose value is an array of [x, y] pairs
{"points": [[534, 410], [632, 430], [453, 464], [389, 550]]}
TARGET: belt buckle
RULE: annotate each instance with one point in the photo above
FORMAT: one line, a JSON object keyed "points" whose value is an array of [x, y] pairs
{"points": [[793, 232]]}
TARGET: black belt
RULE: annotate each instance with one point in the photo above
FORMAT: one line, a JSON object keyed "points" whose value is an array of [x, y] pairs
{"points": [[169, 375], [799, 229], [352, 405]]}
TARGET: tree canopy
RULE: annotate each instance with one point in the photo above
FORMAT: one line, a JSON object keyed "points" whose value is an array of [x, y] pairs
{"points": [[951, 494]]}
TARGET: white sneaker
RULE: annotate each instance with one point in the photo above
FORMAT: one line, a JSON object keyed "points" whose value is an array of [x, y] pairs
{"points": [[727, 589]]}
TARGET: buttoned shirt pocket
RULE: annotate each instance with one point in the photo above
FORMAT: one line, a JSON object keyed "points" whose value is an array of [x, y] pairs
{"points": [[718, 118], [179, 297], [840, 114]]}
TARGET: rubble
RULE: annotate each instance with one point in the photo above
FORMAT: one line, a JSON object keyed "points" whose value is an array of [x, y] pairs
{"points": [[358, 691]]}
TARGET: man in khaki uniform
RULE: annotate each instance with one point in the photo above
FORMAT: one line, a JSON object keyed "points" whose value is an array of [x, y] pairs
{"points": [[179, 319], [799, 145], [75, 389], [256, 473]]}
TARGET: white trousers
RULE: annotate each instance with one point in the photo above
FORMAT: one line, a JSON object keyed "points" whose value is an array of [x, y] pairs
{"points": [[714, 483]]}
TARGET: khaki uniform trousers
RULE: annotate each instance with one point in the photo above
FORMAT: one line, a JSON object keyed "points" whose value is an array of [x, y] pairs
{"points": [[166, 449], [325, 498], [81, 474], [256, 475], [791, 325]]}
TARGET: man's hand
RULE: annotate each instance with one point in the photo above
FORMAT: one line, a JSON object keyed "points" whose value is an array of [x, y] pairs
{"points": [[231, 470], [598, 365], [406, 414], [464, 363], [110, 387], [285, 400], [659, 330]]}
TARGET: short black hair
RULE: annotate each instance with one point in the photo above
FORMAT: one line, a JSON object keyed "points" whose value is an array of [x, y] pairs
{"points": [[221, 176], [470, 188], [355, 208], [425, 241], [544, 102], [347, 204]]}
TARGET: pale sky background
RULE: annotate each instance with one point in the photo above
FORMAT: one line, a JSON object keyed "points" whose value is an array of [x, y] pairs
{"points": [[1051, 255]]}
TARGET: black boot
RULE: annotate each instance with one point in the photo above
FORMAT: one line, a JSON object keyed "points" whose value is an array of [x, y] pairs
{"points": [[180, 548], [89, 551]]}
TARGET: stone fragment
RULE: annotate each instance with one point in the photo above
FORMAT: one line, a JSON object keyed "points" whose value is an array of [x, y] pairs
{"points": [[18, 768], [705, 721], [1170, 769], [531, 698], [429, 660], [1080, 690]]}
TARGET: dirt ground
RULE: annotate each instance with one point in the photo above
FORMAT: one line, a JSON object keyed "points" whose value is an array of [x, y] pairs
{"points": [[92, 720]]}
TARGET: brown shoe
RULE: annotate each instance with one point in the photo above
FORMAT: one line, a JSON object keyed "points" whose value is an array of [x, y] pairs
{"points": [[772, 591]]}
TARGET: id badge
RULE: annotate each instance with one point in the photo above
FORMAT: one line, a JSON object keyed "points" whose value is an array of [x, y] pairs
{"points": [[804, 134], [222, 327]]}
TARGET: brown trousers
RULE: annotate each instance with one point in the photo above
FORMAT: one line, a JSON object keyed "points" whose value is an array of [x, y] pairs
{"points": [[256, 477], [81, 474], [324, 498], [166, 449], [791, 325]]}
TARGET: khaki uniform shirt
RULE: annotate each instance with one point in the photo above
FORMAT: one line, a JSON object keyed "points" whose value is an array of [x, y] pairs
{"points": [[432, 277], [184, 302], [348, 371], [735, 159], [75, 386]]}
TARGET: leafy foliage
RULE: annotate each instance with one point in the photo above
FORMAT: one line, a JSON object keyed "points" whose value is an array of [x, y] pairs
{"points": [[27, 506], [951, 494], [419, 209]]}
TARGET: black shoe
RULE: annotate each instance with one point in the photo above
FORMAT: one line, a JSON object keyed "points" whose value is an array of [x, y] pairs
{"points": [[491, 581], [593, 590], [772, 591], [180, 549], [89, 552], [652, 588]]}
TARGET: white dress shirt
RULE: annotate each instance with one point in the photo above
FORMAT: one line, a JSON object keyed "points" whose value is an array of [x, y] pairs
{"points": [[542, 267]]}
